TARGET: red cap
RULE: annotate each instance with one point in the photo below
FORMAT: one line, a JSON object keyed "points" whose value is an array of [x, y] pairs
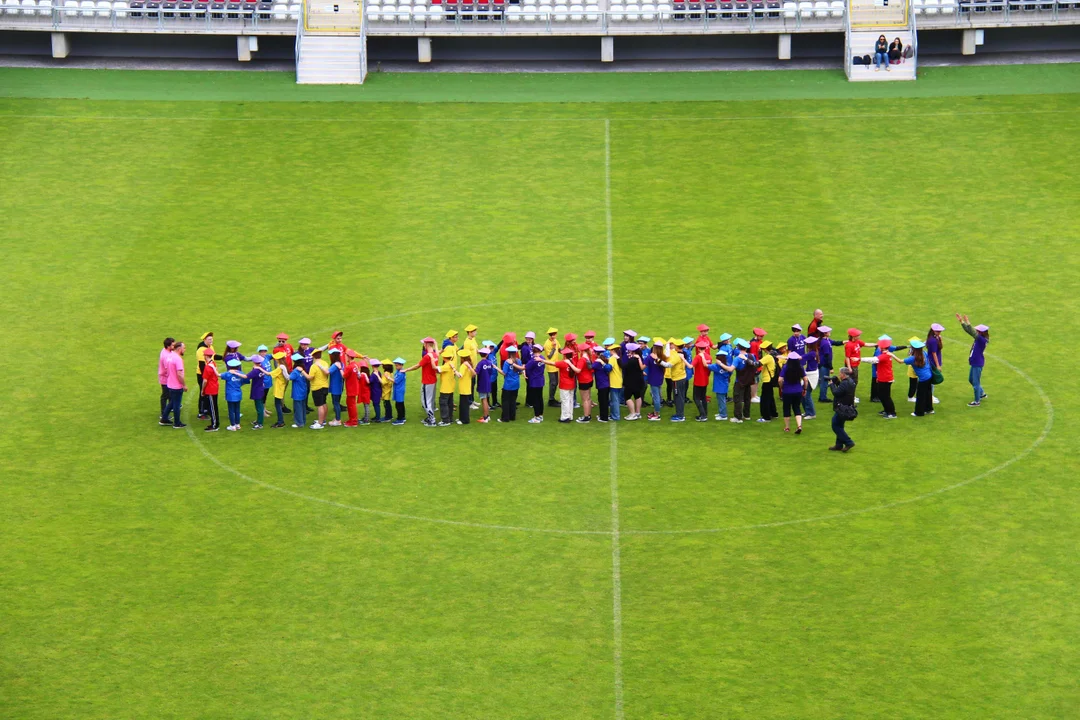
{"points": [[349, 352], [571, 337], [337, 334], [703, 344], [590, 333], [854, 332], [428, 339], [282, 336], [703, 328], [759, 332], [567, 351], [884, 344]]}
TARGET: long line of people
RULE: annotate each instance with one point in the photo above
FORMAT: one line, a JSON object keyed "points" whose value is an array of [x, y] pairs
{"points": [[458, 380]]}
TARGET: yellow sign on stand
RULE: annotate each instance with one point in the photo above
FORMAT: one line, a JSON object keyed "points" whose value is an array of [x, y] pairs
{"points": [[333, 16]]}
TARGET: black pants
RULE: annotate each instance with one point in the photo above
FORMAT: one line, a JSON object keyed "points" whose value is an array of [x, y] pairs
{"points": [[604, 396], [165, 397], [924, 397], [792, 403], [742, 402], [495, 390], [884, 391], [534, 398], [875, 390], [211, 408], [464, 401], [680, 397], [912, 385], [446, 407], [386, 406], [768, 401], [553, 388], [400, 407], [509, 405], [670, 388], [204, 403], [700, 393]]}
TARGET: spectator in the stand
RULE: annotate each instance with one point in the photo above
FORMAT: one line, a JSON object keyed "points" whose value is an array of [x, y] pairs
{"points": [[881, 54], [896, 51]]}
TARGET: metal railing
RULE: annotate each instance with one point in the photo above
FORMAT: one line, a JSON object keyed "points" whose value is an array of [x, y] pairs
{"points": [[149, 15]]}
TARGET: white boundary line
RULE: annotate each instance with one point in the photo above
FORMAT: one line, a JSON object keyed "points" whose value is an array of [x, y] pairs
{"points": [[616, 552], [721, 118], [691, 531]]}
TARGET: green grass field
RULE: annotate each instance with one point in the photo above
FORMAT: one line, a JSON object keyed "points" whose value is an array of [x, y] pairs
{"points": [[641, 570]]}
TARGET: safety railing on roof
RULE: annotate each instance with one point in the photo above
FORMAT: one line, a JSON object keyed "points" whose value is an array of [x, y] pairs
{"points": [[420, 17]]}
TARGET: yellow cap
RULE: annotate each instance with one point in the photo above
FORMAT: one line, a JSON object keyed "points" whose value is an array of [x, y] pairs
{"points": [[676, 342], [464, 353], [552, 330], [766, 344], [205, 335], [451, 333], [449, 351], [914, 339], [470, 327]]}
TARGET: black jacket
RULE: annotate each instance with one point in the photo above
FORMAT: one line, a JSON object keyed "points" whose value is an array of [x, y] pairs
{"points": [[843, 392]]}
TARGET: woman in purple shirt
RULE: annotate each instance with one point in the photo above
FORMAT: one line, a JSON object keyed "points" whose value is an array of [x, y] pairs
{"points": [[793, 385], [933, 347], [485, 370], [977, 356]]}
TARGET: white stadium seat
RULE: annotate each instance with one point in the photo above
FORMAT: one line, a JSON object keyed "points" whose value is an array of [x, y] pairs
{"points": [[405, 13], [373, 12], [11, 10], [948, 7], [837, 8], [930, 7], [29, 7], [648, 12], [435, 13], [821, 9], [294, 11], [664, 10], [121, 9], [633, 12], [44, 7], [560, 13], [543, 13], [104, 9], [616, 13], [513, 14], [790, 9], [577, 13], [86, 8], [592, 13], [806, 9], [281, 11]]}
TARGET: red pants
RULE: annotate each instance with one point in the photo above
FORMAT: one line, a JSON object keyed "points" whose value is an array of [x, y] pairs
{"points": [[350, 404]]}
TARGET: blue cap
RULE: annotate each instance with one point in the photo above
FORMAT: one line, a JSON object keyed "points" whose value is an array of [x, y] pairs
{"points": [[608, 341], [488, 343], [399, 360], [884, 337], [644, 340], [742, 343], [918, 344], [605, 354], [725, 336], [687, 340], [297, 356], [233, 363], [261, 348]]}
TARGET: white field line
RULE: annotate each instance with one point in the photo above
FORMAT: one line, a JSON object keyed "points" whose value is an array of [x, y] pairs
{"points": [[721, 118], [616, 554]]}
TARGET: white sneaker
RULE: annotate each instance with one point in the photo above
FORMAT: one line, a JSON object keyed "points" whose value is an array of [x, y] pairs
{"points": [[755, 399], [856, 401], [316, 426], [911, 399], [474, 406], [535, 421], [231, 428], [334, 423], [936, 401], [295, 425]]}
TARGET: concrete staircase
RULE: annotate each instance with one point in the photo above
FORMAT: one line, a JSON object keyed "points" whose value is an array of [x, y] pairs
{"points": [[861, 42], [330, 59]]}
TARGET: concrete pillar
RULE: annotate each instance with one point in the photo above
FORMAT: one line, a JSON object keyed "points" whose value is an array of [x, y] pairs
{"points": [[607, 49], [423, 49], [243, 49], [783, 47], [60, 45], [967, 46]]}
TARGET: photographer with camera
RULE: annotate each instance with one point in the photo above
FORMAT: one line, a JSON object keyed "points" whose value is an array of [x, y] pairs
{"points": [[843, 388]]}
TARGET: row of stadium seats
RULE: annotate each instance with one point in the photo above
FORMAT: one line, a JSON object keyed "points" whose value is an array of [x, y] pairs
{"points": [[135, 8], [532, 11], [933, 7]]}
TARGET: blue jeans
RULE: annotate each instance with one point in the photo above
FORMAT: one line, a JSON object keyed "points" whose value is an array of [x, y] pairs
{"points": [[176, 398], [299, 411], [880, 59], [260, 410], [616, 400], [234, 412], [842, 438], [654, 393], [279, 405], [823, 384], [336, 399], [378, 417], [975, 378], [808, 403], [721, 402]]}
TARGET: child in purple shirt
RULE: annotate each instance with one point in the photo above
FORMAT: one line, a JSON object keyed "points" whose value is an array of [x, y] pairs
{"points": [[977, 356], [485, 370]]}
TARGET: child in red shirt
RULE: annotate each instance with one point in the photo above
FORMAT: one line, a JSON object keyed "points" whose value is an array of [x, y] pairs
{"points": [[364, 395], [210, 386], [853, 354], [351, 376]]}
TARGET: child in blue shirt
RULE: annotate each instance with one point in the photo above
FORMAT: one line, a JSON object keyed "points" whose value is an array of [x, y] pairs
{"points": [[337, 384], [399, 390], [721, 380], [234, 391], [299, 378]]}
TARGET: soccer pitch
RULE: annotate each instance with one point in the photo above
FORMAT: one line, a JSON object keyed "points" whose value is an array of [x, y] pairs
{"points": [[633, 570]]}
